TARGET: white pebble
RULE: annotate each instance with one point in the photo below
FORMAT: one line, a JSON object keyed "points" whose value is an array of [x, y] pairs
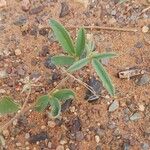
{"points": [[97, 139], [145, 29], [17, 52], [27, 135], [6, 133], [49, 144], [18, 144], [51, 124]]}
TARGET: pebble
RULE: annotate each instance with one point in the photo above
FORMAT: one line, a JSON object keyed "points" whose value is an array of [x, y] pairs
{"points": [[48, 63], [18, 144], [75, 125], [49, 145], [135, 116], [97, 87], [27, 136], [3, 74], [17, 52], [145, 146], [79, 136], [60, 147], [63, 142], [126, 146], [145, 79], [3, 3], [20, 21], [145, 29], [141, 107], [97, 138], [65, 106], [25, 5], [43, 127], [6, 133], [114, 106], [73, 146], [15, 122], [98, 147], [138, 45], [51, 124], [2, 91], [43, 31], [36, 10], [38, 137], [64, 9]]}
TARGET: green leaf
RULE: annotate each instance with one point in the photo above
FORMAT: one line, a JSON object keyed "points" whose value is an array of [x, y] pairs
{"points": [[103, 75], [78, 65], [42, 103], [62, 60], [64, 94], [63, 37], [56, 107], [80, 42], [104, 55], [8, 106]]}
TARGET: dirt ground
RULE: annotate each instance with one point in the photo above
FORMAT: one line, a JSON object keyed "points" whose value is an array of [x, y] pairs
{"points": [[26, 43]]}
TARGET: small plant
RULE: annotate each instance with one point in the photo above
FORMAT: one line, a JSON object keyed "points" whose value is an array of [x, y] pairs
{"points": [[78, 54]]}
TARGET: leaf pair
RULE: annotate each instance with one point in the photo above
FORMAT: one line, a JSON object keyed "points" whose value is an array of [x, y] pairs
{"points": [[7, 105], [54, 101], [66, 42]]}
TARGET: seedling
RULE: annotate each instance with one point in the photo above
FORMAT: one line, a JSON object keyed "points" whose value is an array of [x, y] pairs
{"points": [[77, 55]]}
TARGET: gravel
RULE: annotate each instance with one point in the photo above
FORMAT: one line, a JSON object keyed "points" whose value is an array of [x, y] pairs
{"points": [[136, 116], [114, 106]]}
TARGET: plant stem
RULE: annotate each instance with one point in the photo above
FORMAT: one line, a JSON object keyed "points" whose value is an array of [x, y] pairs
{"points": [[81, 82], [18, 114]]}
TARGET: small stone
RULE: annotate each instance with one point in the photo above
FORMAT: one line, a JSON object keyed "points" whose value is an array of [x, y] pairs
{"points": [[36, 10], [65, 106], [38, 137], [18, 144], [6, 133], [114, 106], [105, 61], [15, 122], [136, 116], [17, 52], [75, 125], [145, 146], [64, 9], [3, 74], [49, 145], [138, 45], [43, 127], [98, 147], [79, 136], [145, 29], [27, 136], [43, 31], [145, 79], [3, 3], [60, 147], [20, 21], [141, 107], [73, 146], [48, 63], [97, 87], [97, 138], [126, 146], [2, 91], [25, 5], [63, 142], [51, 124]]}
